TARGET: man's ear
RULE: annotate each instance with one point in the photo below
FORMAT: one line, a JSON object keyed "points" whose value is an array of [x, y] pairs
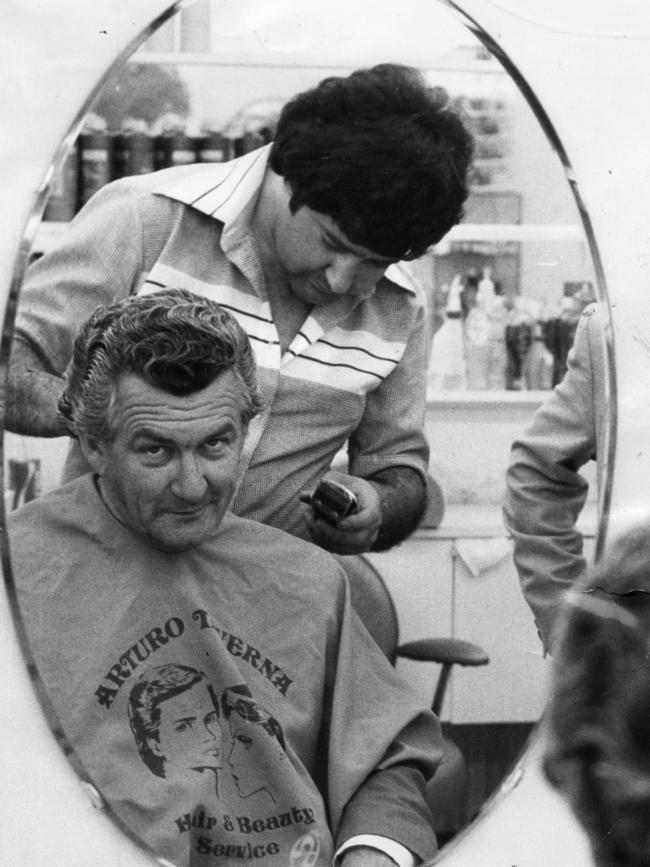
{"points": [[93, 452]]}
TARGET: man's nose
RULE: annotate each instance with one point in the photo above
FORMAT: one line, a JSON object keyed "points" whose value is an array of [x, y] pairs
{"points": [[349, 272], [342, 272], [189, 482]]}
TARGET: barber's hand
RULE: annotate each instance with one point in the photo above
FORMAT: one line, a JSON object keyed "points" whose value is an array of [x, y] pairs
{"points": [[357, 533], [364, 856]]}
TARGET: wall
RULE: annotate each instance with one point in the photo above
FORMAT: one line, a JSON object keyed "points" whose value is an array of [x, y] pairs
{"points": [[470, 436]]}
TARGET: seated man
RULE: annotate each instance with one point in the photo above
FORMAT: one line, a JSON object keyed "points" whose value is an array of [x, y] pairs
{"points": [[228, 707]]}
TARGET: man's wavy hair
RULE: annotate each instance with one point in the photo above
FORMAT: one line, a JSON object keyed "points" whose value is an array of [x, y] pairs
{"points": [[598, 721], [380, 153], [176, 341]]}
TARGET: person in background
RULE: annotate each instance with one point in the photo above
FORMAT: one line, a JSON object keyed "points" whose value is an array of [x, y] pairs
{"points": [[148, 606], [597, 746], [545, 491], [304, 240]]}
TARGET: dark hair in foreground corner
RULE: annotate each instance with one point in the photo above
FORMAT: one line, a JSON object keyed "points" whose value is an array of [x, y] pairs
{"points": [[598, 721], [381, 153], [175, 340]]}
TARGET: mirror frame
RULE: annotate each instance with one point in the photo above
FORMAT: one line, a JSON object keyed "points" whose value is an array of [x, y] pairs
{"points": [[570, 69]]}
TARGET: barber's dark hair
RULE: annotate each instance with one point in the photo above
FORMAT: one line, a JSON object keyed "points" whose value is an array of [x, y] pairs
{"points": [[175, 340], [150, 690], [379, 152], [598, 721]]}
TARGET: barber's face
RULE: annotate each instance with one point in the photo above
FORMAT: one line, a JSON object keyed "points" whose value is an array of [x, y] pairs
{"points": [[321, 263], [170, 471]]}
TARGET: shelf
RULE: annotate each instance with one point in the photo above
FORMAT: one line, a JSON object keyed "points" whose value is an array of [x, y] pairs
{"points": [[270, 59], [528, 399], [519, 232], [48, 233], [485, 520]]}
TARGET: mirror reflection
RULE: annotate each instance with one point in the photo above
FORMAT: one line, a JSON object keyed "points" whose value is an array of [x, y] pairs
{"points": [[503, 289]]}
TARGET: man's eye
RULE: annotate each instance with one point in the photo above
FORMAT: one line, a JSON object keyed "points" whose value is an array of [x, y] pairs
{"points": [[153, 450], [218, 442]]}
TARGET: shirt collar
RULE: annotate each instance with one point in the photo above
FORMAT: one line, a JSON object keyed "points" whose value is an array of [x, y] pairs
{"points": [[220, 190], [401, 274]]}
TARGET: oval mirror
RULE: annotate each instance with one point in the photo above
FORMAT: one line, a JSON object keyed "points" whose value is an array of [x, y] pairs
{"points": [[530, 246]]}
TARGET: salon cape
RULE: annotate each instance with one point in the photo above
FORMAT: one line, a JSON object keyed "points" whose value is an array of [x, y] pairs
{"points": [[257, 612]]}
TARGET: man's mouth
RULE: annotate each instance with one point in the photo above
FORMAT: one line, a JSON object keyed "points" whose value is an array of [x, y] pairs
{"points": [[322, 292], [188, 511]]}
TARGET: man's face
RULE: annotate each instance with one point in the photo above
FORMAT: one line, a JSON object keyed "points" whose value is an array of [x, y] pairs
{"points": [[321, 263], [189, 735], [169, 473]]}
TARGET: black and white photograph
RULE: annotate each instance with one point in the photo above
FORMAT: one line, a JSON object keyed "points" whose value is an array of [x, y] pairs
{"points": [[325, 527]]}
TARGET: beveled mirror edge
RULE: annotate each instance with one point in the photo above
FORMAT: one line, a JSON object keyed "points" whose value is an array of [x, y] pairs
{"points": [[41, 788], [498, 50], [612, 184]]}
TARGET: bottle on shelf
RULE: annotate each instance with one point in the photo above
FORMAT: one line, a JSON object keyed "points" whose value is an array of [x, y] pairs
{"points": [[95, 158], [486, 291], [497, 316], [63, 201], [174, 148], [518, 337], [249, 141], [485, 347], [538, 364], [212, 147], [133, 151], [477, 340], [447, 359]]}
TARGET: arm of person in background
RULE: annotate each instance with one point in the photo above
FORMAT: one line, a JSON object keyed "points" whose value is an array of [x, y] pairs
{"points": [[545, 491], [388, 460], [97, 260]]}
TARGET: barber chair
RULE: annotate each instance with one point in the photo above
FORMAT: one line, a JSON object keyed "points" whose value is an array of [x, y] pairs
{"points": [[447, 792]]}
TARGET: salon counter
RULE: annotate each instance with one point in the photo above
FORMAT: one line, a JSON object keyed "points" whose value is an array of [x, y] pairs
{"points": [[460, 580]]}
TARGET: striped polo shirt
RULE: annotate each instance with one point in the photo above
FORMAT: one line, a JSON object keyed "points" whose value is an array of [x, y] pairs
{"points": [[354, 373]]}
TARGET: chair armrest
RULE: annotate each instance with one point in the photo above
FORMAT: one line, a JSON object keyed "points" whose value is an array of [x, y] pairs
{"points": [[449, 651]]}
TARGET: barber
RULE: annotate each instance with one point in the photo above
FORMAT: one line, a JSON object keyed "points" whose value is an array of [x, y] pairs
{"points": [[304, 240]]}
